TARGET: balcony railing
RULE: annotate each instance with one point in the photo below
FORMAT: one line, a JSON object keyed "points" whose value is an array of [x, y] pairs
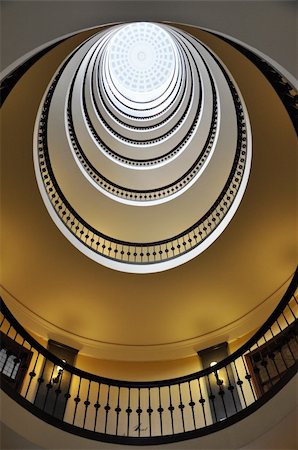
{"points": [[151, 412], [286, 91]]}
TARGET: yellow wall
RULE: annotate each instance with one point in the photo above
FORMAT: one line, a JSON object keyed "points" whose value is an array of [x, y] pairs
{"points": [[132, 370]]}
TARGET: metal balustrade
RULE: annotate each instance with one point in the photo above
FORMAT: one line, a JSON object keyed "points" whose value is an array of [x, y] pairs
{"points": [[151, 412], [145, 253], [283, 87]]}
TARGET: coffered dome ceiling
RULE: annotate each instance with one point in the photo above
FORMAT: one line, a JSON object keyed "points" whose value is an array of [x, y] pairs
{"points": [[150, 143]]}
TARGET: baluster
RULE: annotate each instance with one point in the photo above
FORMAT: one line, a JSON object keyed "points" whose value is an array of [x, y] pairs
{"points": [[192, 404], [32, 374], [96, 406], [286, 320], [139, 412], [15, 336], [77, 401], [173, 248], [181, 406], [202, 402], [240, 383], [221, 393], [160, 411], [86, 403], [57, 392], [212, 398], [49, 386], [171, 409], [167, 251], [128, 412], [292, 312], [122, 252], [118, 410], [231, 389], [149, 410], [107, 409], [67, 395], [248, 377], [9, 328]]}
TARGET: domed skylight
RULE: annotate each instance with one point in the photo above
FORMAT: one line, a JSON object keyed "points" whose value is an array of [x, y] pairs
{"points": [[141, 61]]}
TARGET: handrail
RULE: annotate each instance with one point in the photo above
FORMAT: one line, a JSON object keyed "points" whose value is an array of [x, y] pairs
{"points": [[154, 411], [286, 91]]}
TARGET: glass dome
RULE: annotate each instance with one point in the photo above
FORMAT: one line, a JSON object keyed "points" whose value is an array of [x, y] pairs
{"points": [[141, 60]]}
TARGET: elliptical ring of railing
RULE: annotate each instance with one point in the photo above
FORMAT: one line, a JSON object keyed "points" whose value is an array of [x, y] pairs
{"points": [[142, 413], [146, 252]]}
